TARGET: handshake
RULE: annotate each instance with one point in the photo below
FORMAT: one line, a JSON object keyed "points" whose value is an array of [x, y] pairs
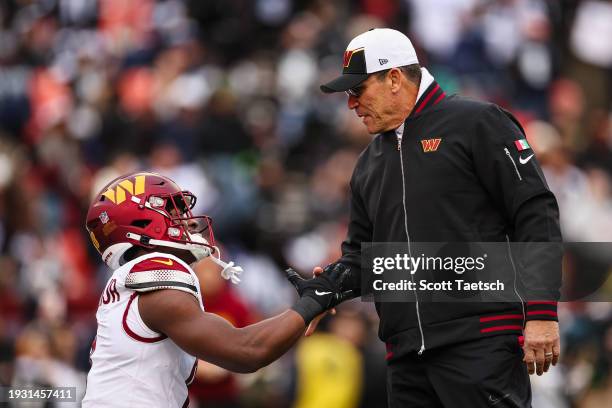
{"points": [[322, 292]]}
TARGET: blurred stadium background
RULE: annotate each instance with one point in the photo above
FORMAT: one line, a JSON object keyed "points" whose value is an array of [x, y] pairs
{"points": [[222, 96]]}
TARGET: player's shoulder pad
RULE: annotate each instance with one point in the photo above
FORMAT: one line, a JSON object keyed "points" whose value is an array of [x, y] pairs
{"points": [[161, 272]]}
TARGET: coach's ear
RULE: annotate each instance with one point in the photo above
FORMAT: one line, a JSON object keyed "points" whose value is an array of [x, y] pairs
{"points": [[396, 77], [315, 322]]}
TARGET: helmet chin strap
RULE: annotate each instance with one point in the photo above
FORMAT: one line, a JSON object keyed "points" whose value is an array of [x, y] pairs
{"points": [[229, 272], [199, 250]]}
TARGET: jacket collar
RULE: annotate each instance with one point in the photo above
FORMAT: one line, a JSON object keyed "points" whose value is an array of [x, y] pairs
{"points": [[429, 93]]}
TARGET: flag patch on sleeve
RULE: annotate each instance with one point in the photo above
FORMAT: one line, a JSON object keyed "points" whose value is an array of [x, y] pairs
{"points": [[521, 145]]}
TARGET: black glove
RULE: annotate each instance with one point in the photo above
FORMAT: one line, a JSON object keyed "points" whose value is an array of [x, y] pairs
{"points": [[320, 293]]}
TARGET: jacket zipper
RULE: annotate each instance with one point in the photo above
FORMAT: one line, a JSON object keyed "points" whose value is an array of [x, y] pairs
{"points": [[513, 163], [418, 312], [515, 275]]}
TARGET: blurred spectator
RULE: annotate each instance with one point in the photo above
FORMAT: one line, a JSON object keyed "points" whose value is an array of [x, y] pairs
{"points": [[567, 107], [45, 359], [222, 95], [587, 42], [330, 367], [166, 159]]}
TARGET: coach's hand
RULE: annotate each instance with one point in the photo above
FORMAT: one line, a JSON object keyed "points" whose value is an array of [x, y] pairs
{"points": [[320, 293], [326, 288], [542, 347]]}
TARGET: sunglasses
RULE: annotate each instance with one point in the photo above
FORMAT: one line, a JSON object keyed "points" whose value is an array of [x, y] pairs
{"points": [[358, 90], [355, 92]]}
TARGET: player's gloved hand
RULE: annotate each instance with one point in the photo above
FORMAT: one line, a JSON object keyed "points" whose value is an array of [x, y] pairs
{"points": [[320, 293]]}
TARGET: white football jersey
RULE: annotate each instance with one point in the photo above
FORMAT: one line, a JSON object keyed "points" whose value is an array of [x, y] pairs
{"points": [[132, 365]]}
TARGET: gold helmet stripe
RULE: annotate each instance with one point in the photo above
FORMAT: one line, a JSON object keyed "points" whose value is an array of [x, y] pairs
{"points": [[140, 185], [110, 194]]}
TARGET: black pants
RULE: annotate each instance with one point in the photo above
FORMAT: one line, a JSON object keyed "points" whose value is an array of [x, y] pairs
{"points": [[488, 372]]}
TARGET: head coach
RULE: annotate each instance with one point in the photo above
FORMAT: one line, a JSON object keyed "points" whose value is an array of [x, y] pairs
{"points": [[445, 168]]}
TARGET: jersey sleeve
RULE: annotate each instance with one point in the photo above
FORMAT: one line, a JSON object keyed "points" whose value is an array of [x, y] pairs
{"points": [[161, 272]]}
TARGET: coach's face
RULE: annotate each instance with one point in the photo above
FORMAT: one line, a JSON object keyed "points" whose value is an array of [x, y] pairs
{"points": [[375, 101]]}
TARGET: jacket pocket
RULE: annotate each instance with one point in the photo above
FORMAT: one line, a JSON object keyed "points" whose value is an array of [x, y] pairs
{"points": [[513, 163]]}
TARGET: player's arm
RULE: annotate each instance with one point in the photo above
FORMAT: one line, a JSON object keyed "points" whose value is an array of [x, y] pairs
{"points": [[209, 337], [178, 315]]}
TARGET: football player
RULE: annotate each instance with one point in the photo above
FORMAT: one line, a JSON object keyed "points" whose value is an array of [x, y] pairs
{"points": [[152, 326]]}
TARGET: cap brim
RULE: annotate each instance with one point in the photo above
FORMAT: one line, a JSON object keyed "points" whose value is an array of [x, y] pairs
{"points": [[343, 83]]}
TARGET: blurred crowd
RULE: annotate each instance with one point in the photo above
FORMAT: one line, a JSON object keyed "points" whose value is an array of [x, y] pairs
{"points": [[222, 96]]}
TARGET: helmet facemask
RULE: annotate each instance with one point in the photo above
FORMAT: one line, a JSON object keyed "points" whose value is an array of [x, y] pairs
{"points": [[186, 231], [183, 229]]}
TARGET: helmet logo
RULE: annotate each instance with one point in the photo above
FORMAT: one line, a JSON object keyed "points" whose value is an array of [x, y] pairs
{"points": [[118, 195], [104, 217]]}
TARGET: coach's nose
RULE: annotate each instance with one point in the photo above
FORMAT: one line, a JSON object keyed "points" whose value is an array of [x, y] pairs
{"points": [[352, 102]]}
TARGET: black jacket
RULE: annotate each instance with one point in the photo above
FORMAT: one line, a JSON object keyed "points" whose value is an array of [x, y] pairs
{"points": [[471, 188]]}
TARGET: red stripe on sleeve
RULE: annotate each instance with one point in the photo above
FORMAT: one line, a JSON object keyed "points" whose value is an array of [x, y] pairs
{"points": [[501, 317], [158, 263], [499, 328], [542, 312]]}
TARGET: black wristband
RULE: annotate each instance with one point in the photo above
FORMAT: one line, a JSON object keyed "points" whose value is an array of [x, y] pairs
{"points": [[308, 308]]}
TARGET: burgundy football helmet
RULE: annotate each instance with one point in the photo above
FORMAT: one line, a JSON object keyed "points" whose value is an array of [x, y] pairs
{"points": [[146, 210]]}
